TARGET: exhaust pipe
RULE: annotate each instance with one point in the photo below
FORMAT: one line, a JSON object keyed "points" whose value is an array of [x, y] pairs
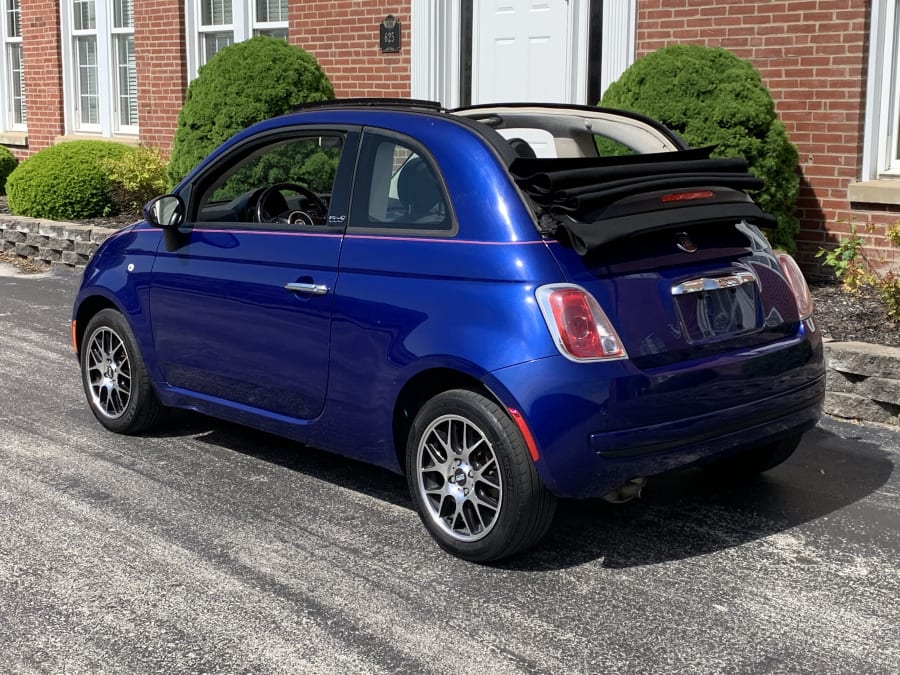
{"points": [[626, 492]]}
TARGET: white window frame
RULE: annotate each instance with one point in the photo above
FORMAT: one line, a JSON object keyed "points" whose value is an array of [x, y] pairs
{"points": [[8, 121], [108, 121], [243, 26], [116, 33], [881, 156]]}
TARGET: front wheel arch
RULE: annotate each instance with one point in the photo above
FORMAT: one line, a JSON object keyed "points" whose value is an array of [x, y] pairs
{"points": [[114, 375], [87, 310]]}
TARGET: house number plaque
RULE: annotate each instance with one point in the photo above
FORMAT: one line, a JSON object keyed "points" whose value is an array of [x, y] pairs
{"points": [[389, 34]]}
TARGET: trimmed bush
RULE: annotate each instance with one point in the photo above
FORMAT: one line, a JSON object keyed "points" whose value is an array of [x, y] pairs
{"points": [[242, 84], [65, 181], [711, 97], [135, 178], [8, 164]]}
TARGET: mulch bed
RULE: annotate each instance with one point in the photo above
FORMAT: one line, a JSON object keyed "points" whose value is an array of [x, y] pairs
{"points": [[849, 317]]}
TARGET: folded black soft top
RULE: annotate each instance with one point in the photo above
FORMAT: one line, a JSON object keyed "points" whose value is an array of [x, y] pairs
{"points": [[583, 195]]}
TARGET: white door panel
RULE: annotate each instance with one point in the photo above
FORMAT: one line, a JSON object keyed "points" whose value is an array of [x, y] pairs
{"points": [[521, 51]]}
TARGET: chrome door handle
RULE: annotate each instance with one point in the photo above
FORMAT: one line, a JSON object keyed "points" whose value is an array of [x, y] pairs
{"points": [[713, 283], [308, 289]]}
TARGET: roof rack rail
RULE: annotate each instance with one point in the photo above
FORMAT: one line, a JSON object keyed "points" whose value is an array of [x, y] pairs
{"points": [[407, 103]]}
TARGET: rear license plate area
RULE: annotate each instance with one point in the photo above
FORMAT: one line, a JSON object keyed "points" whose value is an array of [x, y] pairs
{"points": [[718, 314]]}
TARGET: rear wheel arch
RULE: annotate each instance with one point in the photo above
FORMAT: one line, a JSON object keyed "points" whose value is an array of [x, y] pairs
{"points": [[421, 388], [471, 479]]}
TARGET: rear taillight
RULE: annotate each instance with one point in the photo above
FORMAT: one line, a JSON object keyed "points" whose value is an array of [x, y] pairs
{"points": [[580, 327], [798, 284]]}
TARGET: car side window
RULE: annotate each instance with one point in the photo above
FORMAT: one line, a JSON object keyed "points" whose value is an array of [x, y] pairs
{"points": [[397, 188], [286, 181]]}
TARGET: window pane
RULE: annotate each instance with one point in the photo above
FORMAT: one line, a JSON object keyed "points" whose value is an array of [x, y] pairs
{"points": [[83, 15], [126, 74], [213, 42], [280, 33], [397, 189], [13, 19], [17, 81], [311, 162], [88, 93], [271, 10], [215, 12], [123, 13]]}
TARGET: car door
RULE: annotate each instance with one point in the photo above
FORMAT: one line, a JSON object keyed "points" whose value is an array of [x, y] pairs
{"points": [[241, 296]]}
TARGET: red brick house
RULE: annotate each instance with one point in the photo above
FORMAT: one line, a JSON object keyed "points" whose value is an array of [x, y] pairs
{"points": [[119, 68]]}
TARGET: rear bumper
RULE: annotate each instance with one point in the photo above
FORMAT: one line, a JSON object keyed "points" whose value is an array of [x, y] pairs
{"points": [[599, 425], [770, 413]]}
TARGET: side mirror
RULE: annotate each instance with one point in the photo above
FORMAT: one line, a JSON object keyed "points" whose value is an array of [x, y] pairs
{"points": [[165, 211]]}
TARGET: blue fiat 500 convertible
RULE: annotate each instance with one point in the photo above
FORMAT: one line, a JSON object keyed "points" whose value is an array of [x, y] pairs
{"points": [[478, 298]]}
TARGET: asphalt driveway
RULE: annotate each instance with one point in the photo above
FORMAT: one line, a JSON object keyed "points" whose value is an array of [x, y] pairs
{"points": [[206, 547]]}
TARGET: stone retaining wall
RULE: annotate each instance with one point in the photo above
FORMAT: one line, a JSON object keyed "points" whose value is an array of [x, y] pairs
{"points": [[56, 243], [863, 382], [863, 379]]}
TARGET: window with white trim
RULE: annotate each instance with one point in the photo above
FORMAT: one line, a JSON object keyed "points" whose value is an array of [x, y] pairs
{"points": [[214, 24], [892, 143], [882, 136], [12, 117], [100, 80]]}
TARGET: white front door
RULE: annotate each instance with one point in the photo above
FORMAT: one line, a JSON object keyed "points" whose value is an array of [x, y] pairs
{"points": [[521, 51], [491, 51]]}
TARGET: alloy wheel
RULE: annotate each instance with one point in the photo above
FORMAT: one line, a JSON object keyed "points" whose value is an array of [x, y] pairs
{"points": [[459, 478], [108, 373]]}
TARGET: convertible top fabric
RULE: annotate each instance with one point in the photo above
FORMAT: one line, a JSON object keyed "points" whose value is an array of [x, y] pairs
{"points": [[578, 193], [586, 237]]}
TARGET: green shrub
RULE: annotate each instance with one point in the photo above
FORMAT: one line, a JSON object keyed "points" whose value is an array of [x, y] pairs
{"points": [[711, 97], [65, 181], [856, 271], [135, 178], [242, 84], [8, 163]]}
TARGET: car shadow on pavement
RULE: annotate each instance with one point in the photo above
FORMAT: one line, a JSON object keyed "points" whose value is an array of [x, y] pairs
{"points": [[680, 515], [367, 479], [687, 514]]}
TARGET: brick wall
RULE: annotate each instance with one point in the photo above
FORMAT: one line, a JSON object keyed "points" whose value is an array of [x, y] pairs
{"points": [[812, 55], [43, 74], [160, 54], [343, 36]]}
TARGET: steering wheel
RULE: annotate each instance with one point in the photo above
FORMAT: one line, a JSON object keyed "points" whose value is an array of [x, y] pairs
{"points": [[269, 209]]}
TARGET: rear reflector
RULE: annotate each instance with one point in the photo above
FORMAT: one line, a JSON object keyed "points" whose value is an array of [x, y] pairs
{"points": [[526, 434]]}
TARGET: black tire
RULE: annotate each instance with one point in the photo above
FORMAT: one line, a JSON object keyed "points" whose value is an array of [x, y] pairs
{"points": [[749, 463], [472, 479], [114, 377]]}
